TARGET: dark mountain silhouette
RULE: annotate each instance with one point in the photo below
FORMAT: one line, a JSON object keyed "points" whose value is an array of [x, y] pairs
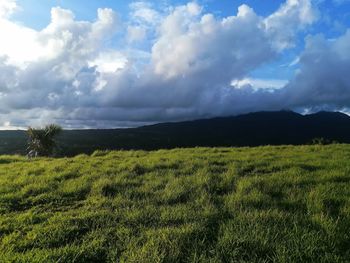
{"points": [[253, 129]]}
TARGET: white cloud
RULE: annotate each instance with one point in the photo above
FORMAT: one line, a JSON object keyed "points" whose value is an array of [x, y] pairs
{"points": [[193, 8], [61, 37], [189, 44], [143, 22], [136, 33], [7, 8], [259, 83], [67, 74], [12, 47], [323, 76], [109, 62], [144, 13], [292, 16]]}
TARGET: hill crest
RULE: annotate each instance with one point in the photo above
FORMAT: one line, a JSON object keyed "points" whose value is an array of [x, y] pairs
{"points": [[252, 129]]}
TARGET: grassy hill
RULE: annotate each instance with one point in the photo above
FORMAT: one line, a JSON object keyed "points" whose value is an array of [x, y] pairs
{"points": [[265, 204]]}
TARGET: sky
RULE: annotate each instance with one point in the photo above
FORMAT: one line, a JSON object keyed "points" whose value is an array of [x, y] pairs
{"points": [[111, 64]]}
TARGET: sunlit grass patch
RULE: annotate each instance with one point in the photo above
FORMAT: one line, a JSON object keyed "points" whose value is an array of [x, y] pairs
{"points": [[264, 204]]}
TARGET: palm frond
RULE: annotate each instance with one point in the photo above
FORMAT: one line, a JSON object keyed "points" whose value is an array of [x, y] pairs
{"points": [[52, 130], [41, 141]]}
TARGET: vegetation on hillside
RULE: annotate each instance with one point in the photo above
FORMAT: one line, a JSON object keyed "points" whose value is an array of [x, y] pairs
{"points": [[266, 204], [41, 141], [275, 128]]}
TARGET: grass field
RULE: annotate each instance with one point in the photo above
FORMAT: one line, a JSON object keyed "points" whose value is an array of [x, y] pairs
{"points": [[265, 204]]}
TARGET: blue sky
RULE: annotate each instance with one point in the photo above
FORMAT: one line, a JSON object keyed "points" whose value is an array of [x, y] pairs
{"points": [[335, 19], [37, 13], [140, 62]]}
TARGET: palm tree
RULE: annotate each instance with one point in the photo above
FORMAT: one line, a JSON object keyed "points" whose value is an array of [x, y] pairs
{"points": [[41, 141]]}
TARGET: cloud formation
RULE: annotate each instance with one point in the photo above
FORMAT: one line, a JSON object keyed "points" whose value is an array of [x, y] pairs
{"points": [[7, 8], [322, 80], [293, 16], [71, 73]]}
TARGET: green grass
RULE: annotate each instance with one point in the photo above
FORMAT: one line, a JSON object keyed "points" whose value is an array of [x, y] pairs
{"points": [[265, 204]]}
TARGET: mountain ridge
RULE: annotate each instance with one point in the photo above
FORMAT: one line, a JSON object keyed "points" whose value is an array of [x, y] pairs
{"points": [[251, 129]]}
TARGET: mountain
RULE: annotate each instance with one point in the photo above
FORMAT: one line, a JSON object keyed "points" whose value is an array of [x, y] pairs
{"points": [[253, 129]]}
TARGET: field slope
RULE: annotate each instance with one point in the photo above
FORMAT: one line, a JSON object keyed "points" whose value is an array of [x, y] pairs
{"points": [[265, 204]]}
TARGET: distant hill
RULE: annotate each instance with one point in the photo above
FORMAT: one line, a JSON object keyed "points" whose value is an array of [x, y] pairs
{"points": [[253, 129]]}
